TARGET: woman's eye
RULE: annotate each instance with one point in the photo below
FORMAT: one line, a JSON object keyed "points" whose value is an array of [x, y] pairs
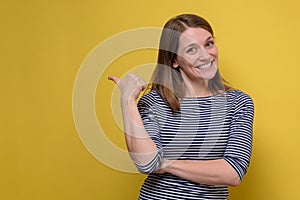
{"points": [[210, 43], [191, 50]]}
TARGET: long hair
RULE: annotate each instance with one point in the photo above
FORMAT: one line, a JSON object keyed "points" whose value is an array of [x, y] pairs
{"points": [[167, 80]]}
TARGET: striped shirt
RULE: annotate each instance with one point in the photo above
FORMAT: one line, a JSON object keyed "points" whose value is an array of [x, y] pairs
{"points": [[205, 128]]}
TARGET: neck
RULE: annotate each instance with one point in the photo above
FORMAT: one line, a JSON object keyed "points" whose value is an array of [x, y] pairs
{"points": [[197, 88]]}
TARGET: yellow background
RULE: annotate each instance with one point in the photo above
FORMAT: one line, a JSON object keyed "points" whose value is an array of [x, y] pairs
{"points": [[43, 44]]}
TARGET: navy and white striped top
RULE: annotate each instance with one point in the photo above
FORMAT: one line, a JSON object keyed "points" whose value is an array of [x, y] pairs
{"points": [[205, 128]]}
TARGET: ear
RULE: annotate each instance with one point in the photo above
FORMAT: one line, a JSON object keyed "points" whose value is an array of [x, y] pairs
{"points": [[175, 64]]}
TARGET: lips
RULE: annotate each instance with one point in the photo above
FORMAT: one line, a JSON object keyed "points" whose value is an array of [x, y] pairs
{"points": [[205, 66]]}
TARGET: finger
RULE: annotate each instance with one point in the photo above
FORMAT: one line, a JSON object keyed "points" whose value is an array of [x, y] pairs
{"points": [[115, 79]]}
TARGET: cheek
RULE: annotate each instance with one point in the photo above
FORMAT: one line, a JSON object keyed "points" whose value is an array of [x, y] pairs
{"points": [[214, 52], [181, 61], [187, 60]]}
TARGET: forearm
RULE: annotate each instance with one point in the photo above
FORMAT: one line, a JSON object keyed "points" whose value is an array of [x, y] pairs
{"points": [[141, 147], [211, 172]]}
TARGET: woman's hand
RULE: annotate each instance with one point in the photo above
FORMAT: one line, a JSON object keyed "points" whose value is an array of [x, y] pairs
{"points": [[130, 86]]}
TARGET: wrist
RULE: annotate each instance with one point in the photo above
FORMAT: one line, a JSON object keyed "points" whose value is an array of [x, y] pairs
{"points": [[167, 165], [125, 101]]}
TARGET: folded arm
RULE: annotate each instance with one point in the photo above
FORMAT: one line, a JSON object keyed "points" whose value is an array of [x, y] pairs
{"points": [[230, 169], [210, 172]]}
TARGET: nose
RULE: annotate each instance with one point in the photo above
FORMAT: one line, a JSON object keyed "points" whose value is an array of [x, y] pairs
{"points": [[203, 54]]}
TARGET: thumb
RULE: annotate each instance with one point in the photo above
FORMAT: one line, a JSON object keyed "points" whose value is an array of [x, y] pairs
{"points": [[115, 79]]}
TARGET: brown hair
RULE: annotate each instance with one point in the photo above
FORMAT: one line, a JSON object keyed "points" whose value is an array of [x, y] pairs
{"points": [[166, 80]]}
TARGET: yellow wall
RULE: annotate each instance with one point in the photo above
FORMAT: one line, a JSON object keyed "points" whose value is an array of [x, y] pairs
{"points": [[43, 44]]}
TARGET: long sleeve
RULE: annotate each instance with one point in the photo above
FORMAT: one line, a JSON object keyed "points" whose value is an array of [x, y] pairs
{"points": [[239, 147], [146, 107]]}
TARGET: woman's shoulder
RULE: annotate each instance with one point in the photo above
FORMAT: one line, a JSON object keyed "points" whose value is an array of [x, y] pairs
{"points": [[150, 98], [239, 97]]}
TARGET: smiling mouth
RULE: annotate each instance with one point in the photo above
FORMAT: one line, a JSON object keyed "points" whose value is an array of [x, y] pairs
{"points": [[205, 66]]}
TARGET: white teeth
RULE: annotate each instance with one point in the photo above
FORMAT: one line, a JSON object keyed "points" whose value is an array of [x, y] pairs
{"points": [[204, 66]]}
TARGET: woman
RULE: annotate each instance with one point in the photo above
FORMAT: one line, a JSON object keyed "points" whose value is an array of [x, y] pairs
{"points": [[192, 133]]}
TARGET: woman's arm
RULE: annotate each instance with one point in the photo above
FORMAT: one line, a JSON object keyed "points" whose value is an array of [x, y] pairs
{"points": [[141, 147], [210, 172]]}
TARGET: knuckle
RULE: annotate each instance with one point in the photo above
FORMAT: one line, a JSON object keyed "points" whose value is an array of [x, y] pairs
{"points": [[130, 75]]}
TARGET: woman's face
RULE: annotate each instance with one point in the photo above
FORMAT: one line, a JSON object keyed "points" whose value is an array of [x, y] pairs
{"points": [[197, 55]]}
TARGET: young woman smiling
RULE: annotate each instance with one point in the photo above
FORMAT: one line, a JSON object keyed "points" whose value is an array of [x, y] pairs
{"points": [[192, 133]]}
